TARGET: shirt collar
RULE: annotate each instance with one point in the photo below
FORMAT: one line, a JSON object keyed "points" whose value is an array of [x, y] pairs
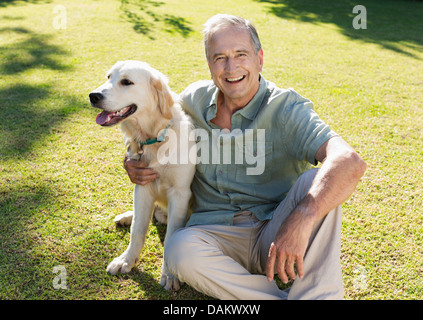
{"points": [[249, 111]]}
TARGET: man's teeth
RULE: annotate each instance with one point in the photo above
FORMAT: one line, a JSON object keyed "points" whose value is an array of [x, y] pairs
{"points": [[235, 79]]}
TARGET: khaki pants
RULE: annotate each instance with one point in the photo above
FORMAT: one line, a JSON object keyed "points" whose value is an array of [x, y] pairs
{"points": [[229, 262]]}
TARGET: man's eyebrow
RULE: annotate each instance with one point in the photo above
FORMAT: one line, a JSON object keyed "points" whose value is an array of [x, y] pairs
{"points": [[236, 51], [242, 50], [218, 54]]}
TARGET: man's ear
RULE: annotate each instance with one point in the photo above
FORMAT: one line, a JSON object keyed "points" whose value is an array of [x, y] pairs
{"points": [[208, 64], [260, 56], [161, 92]]}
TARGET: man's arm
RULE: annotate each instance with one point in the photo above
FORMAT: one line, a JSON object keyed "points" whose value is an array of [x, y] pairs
{"points": [[336, 180]]}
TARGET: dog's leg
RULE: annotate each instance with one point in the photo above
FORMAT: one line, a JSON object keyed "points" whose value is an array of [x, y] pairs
{"points": [[125, 219], [177, 214], [143, 211]]}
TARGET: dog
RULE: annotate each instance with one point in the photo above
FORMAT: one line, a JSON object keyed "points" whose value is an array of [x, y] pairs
{"points": [[138, 97]]}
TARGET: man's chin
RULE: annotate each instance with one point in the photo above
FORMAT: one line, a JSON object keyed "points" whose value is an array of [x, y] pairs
{"points": [[241, 96]]}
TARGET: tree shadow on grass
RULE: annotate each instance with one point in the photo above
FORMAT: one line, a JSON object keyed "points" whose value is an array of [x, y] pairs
{"points": [[394, 25], [27, 110], [144, 19], [5, 3], [34, 51], [26, 121], [21, 270]]}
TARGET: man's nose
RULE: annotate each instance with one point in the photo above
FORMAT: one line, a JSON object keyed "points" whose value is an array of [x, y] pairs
{"points": [[230, 65]]}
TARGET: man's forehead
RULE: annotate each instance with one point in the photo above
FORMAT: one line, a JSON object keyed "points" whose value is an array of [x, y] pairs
{"points": [[230, 38], [225, 30]]}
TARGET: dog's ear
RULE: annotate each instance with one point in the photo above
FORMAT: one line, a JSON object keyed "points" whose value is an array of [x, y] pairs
{"points": [[163, 96]]}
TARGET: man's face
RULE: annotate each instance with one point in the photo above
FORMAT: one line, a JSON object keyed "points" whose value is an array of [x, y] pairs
{"points": [[233, 64]]}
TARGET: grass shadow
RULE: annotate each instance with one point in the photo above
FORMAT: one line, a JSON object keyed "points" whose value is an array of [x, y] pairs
{"points": [[28, 121], [5, 3], [20, 268], [33, 52], [144, 19], [30, 111], [24, 126], [394, 25]]}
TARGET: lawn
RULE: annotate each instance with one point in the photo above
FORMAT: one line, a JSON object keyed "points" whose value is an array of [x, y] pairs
{"points": [[62, 180]]}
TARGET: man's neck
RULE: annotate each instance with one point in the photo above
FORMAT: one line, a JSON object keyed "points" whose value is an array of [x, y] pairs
{"points": [[223, 114], [226, 107]]}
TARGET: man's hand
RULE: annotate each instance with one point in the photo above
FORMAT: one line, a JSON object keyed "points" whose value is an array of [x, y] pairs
{"points": [[336, 180], [138, 172], [289, 247]]}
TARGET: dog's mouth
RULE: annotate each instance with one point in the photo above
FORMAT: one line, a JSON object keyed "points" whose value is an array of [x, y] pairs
{"points": [[107, 119]]}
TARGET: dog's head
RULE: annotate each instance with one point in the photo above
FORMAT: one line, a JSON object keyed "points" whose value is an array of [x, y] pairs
{"points": [[132, 87]]}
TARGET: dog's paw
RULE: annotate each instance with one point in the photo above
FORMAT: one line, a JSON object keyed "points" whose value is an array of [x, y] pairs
{"points": [[169, 281], [124, 219], [122, 264], [160, 215]]}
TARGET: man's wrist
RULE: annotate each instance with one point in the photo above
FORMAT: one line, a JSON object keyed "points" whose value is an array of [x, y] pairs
{"points": [[308, 209]]}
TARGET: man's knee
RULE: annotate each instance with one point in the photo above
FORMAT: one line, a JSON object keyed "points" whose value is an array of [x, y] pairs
{"points": [[181, 253], [175, 250], [306, 179], [302, 185]]}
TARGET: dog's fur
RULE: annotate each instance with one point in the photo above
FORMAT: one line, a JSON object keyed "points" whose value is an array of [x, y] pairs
{"points": [[147, 106]]}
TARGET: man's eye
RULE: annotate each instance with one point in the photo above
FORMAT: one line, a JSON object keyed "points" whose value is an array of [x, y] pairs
{"points": [[126, 82]]}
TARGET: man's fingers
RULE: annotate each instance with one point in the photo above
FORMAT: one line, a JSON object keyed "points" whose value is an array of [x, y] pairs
{"points": [[290, 270], [138, 172], [270, 266], [132, 163], [280, 267], [146, 172], [147, 179], [300, 267], [143, 177]]}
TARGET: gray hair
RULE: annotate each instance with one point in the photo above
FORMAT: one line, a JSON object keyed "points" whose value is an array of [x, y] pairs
{"points": [[220, 21]]}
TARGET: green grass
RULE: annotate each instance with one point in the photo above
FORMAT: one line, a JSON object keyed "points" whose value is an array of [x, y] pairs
{"points": [[62, 180]]}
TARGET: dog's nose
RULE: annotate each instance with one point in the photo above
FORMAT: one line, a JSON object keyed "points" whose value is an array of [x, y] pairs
{"points": [[95, 97]]}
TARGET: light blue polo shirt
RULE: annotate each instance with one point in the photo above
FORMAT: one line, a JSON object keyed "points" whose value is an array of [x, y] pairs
{"points": [[273, 140]]}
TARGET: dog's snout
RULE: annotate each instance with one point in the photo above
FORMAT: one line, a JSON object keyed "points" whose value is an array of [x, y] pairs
{"points": [[95, 97]]}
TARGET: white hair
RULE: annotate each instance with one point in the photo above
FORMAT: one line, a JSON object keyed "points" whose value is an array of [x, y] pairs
{"points": [[220, 21]]}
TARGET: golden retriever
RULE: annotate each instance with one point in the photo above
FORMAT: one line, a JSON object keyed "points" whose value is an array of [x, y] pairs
{"points": [[138, 97]]}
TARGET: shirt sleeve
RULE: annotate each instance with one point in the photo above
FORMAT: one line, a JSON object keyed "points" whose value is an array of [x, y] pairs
{"points": [[305, 132], [195, 99]]}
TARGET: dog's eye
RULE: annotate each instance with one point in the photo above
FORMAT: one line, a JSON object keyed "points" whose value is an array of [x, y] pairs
{"points": [[126, 82]]}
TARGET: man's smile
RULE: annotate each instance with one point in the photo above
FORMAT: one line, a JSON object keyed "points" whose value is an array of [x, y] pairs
{"points": [[233, 80]]}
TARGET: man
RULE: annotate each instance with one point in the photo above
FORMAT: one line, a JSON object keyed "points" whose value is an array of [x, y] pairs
{"points": [[286, 219]]}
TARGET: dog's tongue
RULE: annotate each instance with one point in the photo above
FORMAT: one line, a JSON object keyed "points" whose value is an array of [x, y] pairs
{"points": [[102, 117]]}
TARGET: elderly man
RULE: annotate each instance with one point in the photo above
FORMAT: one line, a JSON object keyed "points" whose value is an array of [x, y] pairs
{"points": [[287, 219]]}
